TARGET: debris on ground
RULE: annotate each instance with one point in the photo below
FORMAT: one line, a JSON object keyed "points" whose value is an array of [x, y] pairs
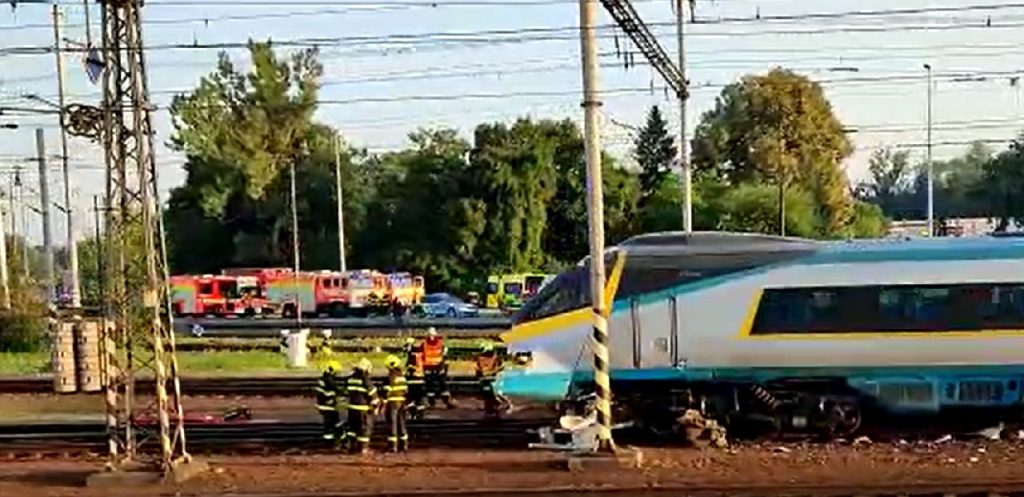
{"points": [[702, 431], [943, 439], [861, 440], [992, 433]]}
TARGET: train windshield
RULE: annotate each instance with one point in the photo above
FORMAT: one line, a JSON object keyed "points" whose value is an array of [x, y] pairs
{"points": [[567, 292]]}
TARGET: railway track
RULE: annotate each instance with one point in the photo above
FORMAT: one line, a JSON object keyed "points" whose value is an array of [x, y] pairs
{"points": [[269, 387], [240, 436], [964, 489]]}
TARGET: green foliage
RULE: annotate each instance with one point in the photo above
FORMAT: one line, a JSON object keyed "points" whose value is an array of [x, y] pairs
{"points": [[1003, 184], [654, 151], [778, 127], [901, 188], [755, 208], [511, 199], [22, 327], [868, 221]]}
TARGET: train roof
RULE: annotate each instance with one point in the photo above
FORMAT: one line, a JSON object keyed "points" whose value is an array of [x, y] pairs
{"points": [[873, 250]]}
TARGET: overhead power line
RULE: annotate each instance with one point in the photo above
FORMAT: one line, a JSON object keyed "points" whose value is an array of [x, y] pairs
{"points": [[532, 34]]}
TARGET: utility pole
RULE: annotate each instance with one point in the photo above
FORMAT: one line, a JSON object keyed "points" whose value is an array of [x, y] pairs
{"points": [[44, 211], [5, 299], [23, 215], [136, 302], [74, 290], [595, 218], [100, 256], [11, 208], [684, 146], [928, 157], [88, 25], [296, 261], [341, 214]]}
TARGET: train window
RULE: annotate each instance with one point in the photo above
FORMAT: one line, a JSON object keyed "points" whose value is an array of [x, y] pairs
{"points": [[891, 308], [569, 291], [206, 288]]}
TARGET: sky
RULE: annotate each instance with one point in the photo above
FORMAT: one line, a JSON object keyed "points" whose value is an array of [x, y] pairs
{"points": [[391, 66]]}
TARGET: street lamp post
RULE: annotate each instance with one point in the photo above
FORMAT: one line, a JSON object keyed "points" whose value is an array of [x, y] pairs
{"points": [[928, 156]]}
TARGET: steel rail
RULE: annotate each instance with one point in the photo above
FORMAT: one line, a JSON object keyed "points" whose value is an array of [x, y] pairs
{"points": [[301, 386]]}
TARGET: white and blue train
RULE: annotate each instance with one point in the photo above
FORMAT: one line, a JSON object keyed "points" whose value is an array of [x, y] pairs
{"points": [[804, 335]]}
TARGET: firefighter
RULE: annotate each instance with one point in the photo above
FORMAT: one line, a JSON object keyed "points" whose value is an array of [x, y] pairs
{"points": [[414, 377], [323, 351], [488, 365], [394, 410], [362, 400], [435, 369], [327, 399]]}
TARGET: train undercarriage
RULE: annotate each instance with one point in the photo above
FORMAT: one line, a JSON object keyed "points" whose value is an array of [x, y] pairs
{"points": [[810, 408]]}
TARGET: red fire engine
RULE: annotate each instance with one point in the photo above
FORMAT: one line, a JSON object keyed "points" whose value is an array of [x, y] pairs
{"points": [[216, 295]]}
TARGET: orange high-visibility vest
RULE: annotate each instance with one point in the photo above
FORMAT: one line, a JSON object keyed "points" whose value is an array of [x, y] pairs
{"points": [[433, 352]]}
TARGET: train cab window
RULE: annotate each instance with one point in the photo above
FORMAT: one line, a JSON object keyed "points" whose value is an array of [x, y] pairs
{"points": [[567, 292]]}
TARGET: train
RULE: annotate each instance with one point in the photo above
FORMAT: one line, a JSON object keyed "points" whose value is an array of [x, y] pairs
{"points": [[784, 334]]}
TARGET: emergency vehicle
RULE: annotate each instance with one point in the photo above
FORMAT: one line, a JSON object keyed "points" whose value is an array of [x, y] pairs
{"points": [[406, 288], [367, 291], [312, 293], [215, 295]]}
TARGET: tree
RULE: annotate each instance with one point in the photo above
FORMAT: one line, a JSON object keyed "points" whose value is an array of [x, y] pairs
{"points": [[654, 151], [754, 208], [1003, 184], [889, 171], [241, 132], [780, 128]]}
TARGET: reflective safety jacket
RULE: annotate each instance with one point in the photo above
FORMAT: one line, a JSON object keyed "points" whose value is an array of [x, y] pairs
{"points": [[362, 395], [396, 389], [433, 352], [414, 364], [326, 392], [488, 365]]}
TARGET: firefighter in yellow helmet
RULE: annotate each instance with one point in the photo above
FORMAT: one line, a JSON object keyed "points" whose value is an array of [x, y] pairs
{"points": [[362, 399], [327, 399], [394, 408]]}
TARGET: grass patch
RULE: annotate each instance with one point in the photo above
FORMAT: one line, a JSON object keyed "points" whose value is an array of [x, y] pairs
{"points": [[219, 363], [24, 363]]}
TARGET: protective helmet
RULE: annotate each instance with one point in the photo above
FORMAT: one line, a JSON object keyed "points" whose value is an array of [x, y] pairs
{"points": [[432, 332], [487, 347], [364, 365], [393, 362], [327, 333], [410, 341], [332, 366]]}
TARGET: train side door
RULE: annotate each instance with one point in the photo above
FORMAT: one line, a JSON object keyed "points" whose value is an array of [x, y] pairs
{"points": [[654, 331]]}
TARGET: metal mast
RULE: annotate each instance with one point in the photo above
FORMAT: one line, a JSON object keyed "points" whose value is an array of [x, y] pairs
{"points": [[142, 340]]}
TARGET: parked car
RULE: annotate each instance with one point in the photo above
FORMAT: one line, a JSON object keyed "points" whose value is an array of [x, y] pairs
{"points": [[446, 305]]}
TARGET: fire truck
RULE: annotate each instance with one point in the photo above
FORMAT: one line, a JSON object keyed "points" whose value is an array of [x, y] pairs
{"points": [[311, 293], [405, 288], [367, 291], [215, 295]]}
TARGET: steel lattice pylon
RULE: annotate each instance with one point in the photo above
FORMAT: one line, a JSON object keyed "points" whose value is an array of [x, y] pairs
{"points": [[141, 342]]}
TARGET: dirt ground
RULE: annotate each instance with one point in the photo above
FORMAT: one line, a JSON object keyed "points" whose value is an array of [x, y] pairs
{"points": [[744, 466]]}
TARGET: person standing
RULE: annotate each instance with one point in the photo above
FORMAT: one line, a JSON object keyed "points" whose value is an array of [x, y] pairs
{"points": [[394, 407], [362, 398], [435, 369], [414, 377], [327, 399], [488, 365]]}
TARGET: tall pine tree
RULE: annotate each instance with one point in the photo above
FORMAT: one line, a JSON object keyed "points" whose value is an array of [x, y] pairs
{"points": [[654, 151]]}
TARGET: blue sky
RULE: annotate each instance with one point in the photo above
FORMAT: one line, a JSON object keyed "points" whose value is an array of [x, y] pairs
{"points": [[540, 77]]}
